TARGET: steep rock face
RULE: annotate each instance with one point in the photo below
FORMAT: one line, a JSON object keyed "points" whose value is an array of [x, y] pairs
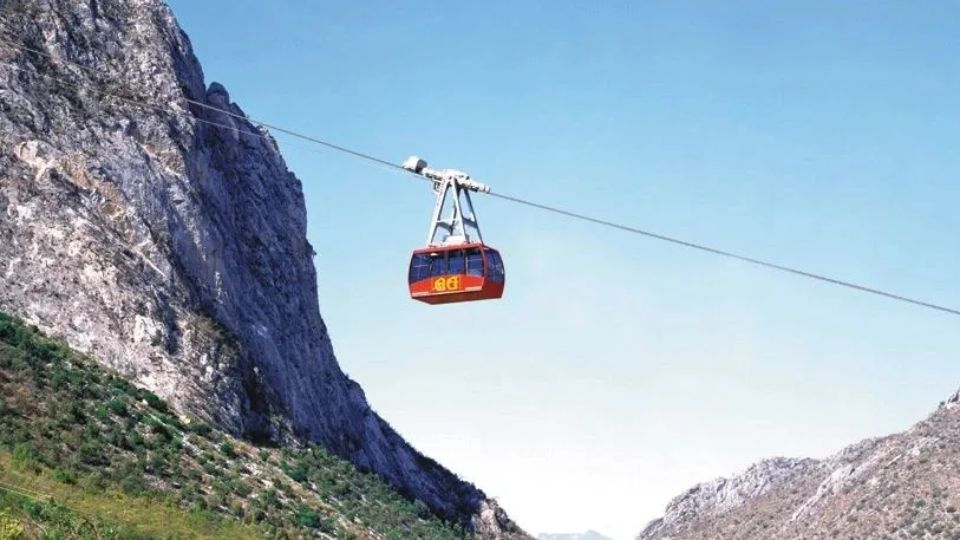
{"points": [[903, 485], [169, 241]]}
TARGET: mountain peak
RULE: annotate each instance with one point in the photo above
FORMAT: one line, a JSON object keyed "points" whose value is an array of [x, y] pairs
{"points": [[218, 96]]}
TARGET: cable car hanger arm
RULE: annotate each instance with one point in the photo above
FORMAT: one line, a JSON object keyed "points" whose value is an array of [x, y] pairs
{"points": [[461, 226], [416, 165]]}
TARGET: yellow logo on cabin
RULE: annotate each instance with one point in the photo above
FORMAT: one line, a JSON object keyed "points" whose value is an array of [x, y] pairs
{"points": [[451, 283]]}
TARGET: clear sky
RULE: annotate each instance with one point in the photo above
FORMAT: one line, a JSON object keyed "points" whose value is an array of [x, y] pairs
{"points": [[619, 371]]}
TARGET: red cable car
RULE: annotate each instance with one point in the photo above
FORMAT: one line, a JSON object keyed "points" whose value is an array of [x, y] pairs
{"points": [[459, 267], [456, 273]]}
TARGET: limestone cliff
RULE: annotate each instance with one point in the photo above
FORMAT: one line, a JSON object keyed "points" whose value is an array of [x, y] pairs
{"points": [[174, 249]]}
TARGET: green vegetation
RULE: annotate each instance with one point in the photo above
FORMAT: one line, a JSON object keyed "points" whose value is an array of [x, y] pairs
{"points": [[42, 505], [85, 454]]}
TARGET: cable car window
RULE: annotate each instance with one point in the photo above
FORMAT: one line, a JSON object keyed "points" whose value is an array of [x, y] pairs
{"points": [[455, 262], [419, 267], [474, 262], [494, 266], [438, 264]]}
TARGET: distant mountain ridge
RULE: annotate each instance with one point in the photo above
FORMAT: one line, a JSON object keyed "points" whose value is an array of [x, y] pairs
{"points": [[589, 535], [900, 486]]}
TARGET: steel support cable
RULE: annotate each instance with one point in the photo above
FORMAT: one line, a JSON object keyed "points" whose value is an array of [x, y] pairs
{"points": [[516, 200], [723, 253]]}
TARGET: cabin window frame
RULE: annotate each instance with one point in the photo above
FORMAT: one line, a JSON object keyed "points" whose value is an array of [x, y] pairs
{"points": [[419, 272], [495, 270], [475, 255]]}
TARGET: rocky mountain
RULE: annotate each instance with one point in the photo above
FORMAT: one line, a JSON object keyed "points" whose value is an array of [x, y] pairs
{"points": [[905, 485], [168, 240]]}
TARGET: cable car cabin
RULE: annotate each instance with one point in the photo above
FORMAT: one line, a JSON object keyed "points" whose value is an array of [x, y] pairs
{"points": [[457, 273]]}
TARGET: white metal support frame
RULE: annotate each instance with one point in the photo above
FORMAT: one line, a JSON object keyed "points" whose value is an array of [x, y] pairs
{"points": [[461, 226]]}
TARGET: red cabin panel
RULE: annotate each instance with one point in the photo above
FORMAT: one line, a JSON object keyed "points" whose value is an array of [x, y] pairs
{"points": [[460, 273]]}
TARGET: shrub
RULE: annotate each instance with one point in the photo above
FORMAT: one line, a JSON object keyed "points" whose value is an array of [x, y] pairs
{"points": [[134, 441], [307, 517], [118, 407], [161, 432], [91, 452], [227, 449], [65, 476], [200, 428], [296, 471], [102, 413], [25, 456], [155, 402], [242, 489], [115, 438], [268, 498], [158, 465]]}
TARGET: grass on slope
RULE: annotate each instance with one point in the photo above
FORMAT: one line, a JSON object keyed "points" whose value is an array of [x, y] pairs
{"points": [[37, 505], [117, 457]]}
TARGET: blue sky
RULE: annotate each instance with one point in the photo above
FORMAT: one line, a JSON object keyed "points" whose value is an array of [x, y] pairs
{"points": [[618, 371]]}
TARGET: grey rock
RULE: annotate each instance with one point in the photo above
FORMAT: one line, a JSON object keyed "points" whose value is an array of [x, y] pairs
{"points": [[954, 399], [169, 241], [717, 497], [899, 485]]}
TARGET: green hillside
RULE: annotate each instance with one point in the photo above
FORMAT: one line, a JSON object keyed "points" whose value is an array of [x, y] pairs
{"points": [[85, 454]]}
